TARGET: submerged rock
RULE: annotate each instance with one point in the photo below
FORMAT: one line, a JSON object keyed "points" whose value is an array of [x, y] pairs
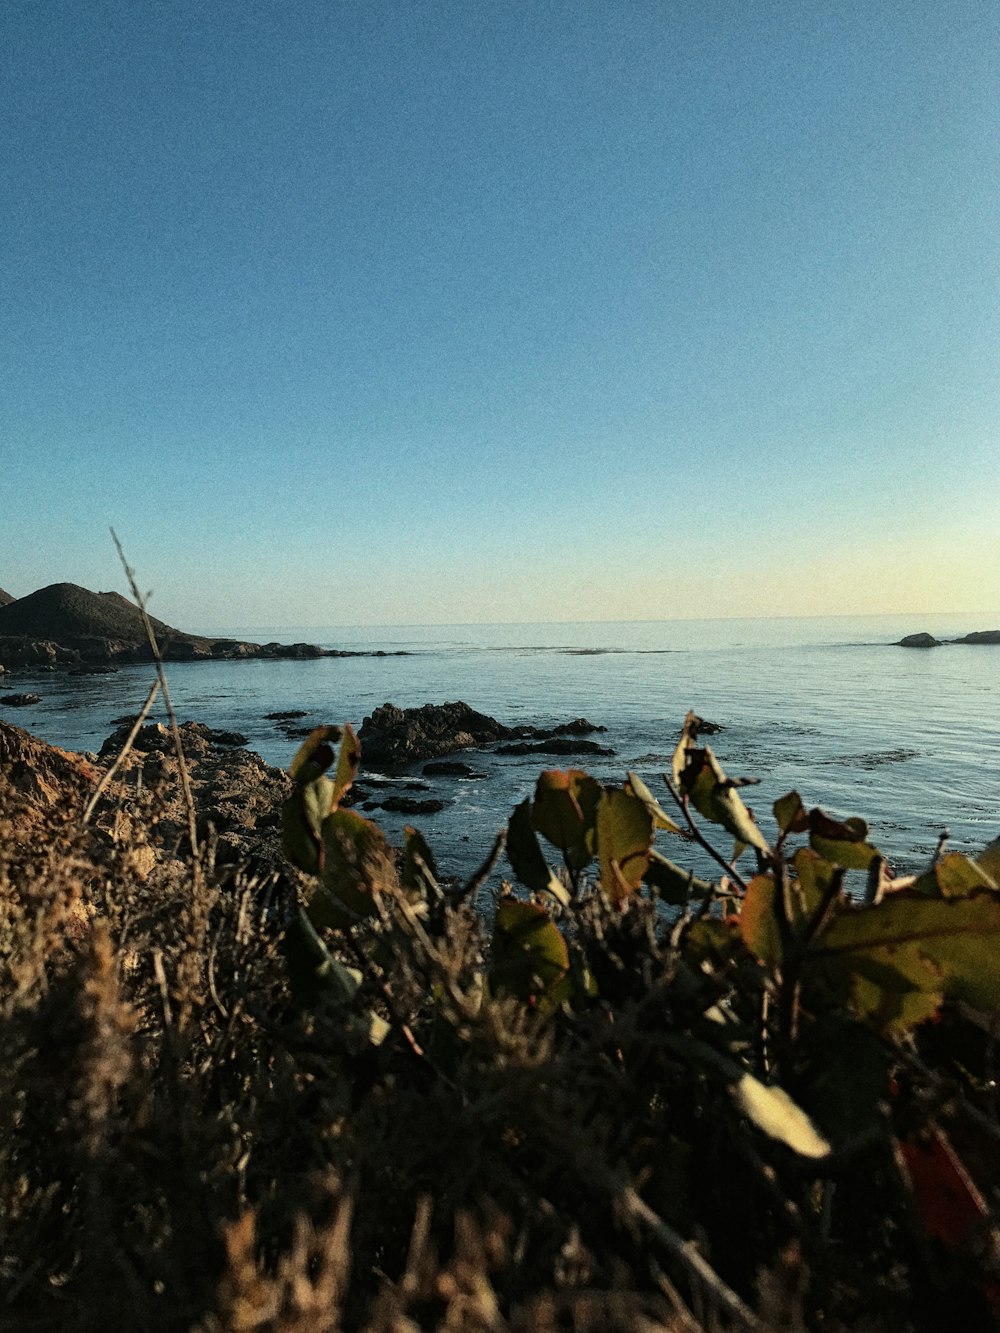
{"points": [[406, 805], [20, 700], [451, 768], [557, 745]]}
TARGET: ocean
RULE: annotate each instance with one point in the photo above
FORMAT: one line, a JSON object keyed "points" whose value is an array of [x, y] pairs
{"points": [[909, 739]]}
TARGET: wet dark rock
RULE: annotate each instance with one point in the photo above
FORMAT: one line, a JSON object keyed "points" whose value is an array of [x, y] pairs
{"points": [[295, 651], [94, 669], [406, 805], [980, 636], [578, 727], [219, 736], [706, 728], [20, 700], [286, 716], [450, 768], [918, 641], [557, 745], [395, 736]]}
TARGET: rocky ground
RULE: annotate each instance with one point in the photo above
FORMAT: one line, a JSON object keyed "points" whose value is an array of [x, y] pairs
{"points": [[237, 796]]}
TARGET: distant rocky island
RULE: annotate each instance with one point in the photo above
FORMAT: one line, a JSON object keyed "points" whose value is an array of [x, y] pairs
{"points": [[925, 640], [64, 625]]}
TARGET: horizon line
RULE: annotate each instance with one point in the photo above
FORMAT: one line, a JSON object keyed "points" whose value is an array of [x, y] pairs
{"points": [[595, 620]]}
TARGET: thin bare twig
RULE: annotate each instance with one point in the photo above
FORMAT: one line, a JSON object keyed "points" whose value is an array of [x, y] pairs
{"points": [[162, 677], [689, 1256], [123, 752]]}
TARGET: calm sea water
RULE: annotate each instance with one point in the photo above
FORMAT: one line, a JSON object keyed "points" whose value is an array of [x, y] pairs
{"points": [[909, 739]]}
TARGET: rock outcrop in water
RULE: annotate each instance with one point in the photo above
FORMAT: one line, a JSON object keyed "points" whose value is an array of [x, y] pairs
{"points": [[918, 641], [991, 636], [925, 640], [393, 736]]}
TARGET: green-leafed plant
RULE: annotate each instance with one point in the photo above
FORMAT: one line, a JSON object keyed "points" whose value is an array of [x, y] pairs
{"points": [[781, 1012]]}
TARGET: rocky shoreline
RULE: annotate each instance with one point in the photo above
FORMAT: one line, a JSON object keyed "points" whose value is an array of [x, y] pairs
{"points": [[237, 796]]}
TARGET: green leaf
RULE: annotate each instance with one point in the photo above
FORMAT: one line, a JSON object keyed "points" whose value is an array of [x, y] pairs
{"points": [[954, 876], [773, 1111], [901, 958], [311, 800], [637, 788], [988, 860], [302, 815], [624, 838], [356, 861], [842, 842], [790, 814], [530, 955], [526, 858], [714, 796], [348, 760], [417, 865], [711, 942], [672, 884], [758, 921], [807, 888], [564, 812], [313, 970], [314, 756], [688, 741]]}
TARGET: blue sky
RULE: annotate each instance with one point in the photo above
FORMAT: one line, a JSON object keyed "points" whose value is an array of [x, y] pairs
{"points": [[384, 312]]}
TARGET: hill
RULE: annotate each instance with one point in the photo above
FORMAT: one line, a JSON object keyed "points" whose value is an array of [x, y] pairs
{"points": [[64, 612], [6, 598], [64, 624]]}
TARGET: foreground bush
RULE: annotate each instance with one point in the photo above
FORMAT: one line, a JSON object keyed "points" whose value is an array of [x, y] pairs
{"points": [[620, 1097]]}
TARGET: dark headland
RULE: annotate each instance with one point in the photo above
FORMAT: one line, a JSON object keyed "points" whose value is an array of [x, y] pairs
{"points": [[66, 625]]}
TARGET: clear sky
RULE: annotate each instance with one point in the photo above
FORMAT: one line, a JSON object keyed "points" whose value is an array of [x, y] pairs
{"points": [[376, 311]]}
